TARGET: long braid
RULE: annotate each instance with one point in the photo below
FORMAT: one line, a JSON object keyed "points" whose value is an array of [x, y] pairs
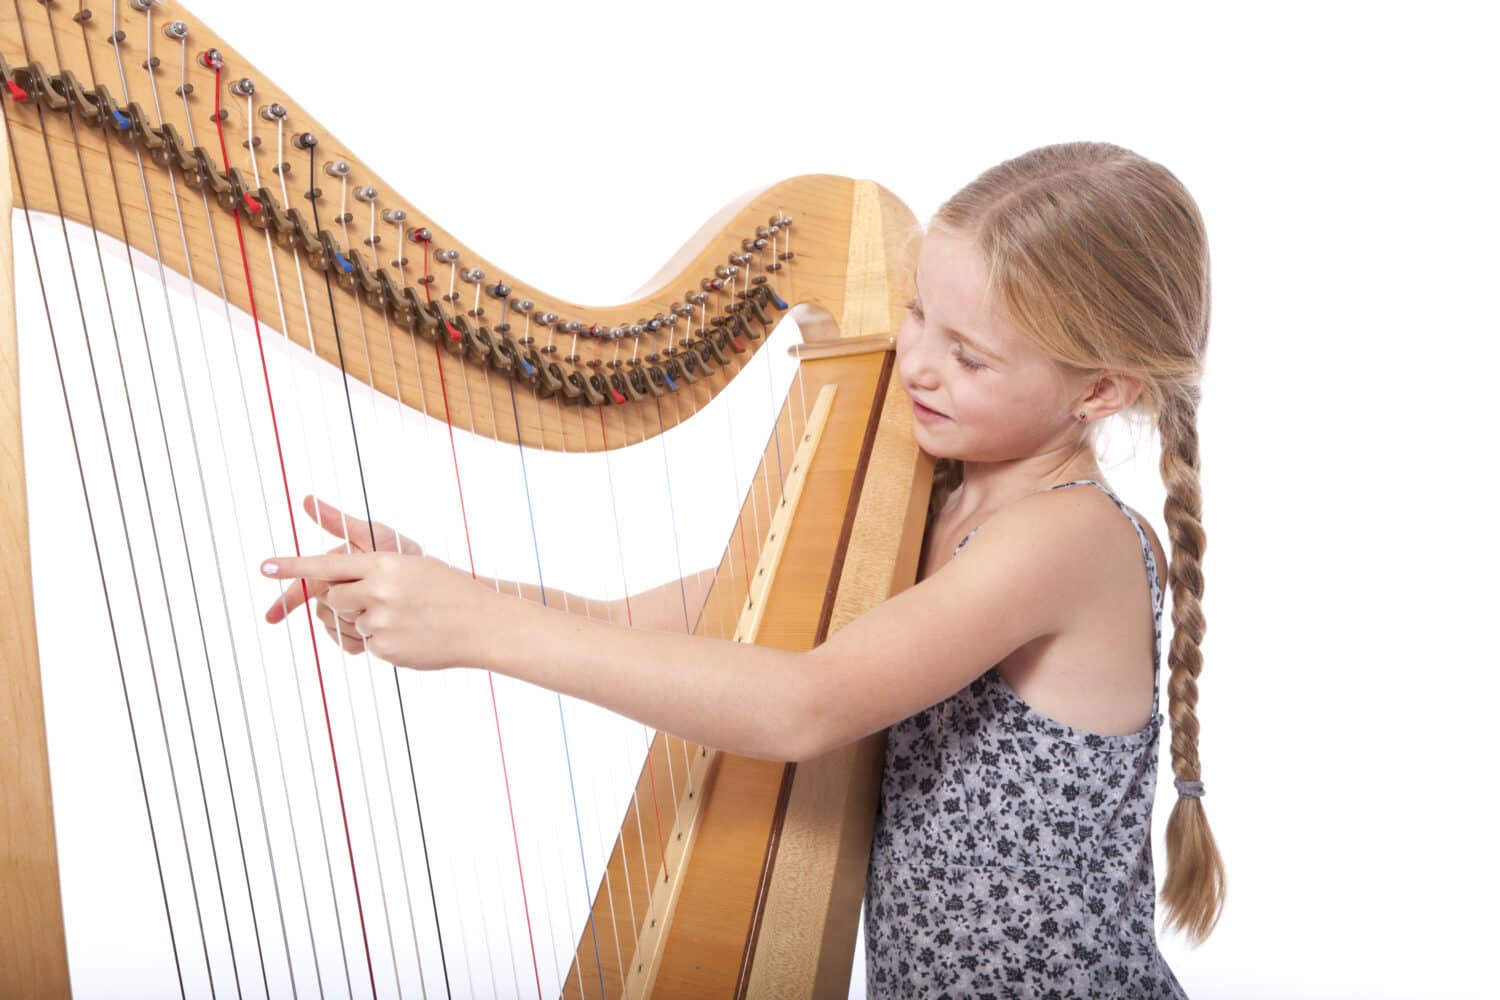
{"points": [[1193, 892]]}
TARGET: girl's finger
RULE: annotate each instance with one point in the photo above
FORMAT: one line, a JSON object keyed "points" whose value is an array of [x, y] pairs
{"points": [[337, 522], [365, 536], [335, 567], [293, 597], [346, 600]]}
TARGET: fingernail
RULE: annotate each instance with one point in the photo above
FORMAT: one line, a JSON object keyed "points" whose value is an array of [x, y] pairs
{"points": [[268, 568]]}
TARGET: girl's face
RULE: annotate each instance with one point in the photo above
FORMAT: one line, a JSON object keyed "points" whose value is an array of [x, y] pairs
{"points": [[980, 391]]}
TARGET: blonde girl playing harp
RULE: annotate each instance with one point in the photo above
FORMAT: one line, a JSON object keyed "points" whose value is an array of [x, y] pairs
{"points": [[1019, 678]]}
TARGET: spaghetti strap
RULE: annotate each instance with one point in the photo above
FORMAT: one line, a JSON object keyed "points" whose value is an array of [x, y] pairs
{"points": [[1152, 577]]}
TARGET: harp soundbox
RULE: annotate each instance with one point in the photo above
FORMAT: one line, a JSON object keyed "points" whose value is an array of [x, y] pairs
{"points": [[255, 238]]}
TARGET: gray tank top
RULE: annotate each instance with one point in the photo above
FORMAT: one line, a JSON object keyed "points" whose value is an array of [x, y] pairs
{"points": [[1012, 853]]}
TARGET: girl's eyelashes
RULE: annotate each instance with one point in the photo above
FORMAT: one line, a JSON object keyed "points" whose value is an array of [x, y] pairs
{"points": [[964, 361]]}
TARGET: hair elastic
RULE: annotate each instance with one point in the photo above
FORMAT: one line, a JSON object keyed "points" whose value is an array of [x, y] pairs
{"points": [[1189, 789]]}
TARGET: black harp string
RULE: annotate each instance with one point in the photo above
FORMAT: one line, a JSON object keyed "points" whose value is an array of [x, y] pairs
{"points": [[98, 555], [344, 378], [125, 533], [364, 339]]}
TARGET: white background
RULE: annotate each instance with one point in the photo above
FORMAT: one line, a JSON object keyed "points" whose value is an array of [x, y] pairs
{"points": [[1342, 156]]}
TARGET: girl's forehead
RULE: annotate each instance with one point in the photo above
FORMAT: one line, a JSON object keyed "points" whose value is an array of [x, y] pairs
{"points": [[954, 278]]}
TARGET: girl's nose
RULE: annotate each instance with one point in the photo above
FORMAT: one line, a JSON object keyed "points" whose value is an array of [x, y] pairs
{"points": [[914, 363]]}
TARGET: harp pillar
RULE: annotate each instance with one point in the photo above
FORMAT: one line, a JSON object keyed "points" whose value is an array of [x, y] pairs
{"points": [[33, 959]]}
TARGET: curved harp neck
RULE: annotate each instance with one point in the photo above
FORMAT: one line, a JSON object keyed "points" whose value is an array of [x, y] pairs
{"points": [[168, 112]]}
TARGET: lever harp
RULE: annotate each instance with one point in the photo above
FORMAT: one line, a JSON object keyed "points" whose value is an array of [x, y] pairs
{"points": [[222, 309]]}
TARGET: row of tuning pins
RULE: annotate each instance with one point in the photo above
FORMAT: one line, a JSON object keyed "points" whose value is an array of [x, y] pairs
{"points": [[772, 239]]}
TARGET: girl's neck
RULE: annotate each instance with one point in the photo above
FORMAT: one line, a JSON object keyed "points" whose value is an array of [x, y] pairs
{"points": [[989, 486]]}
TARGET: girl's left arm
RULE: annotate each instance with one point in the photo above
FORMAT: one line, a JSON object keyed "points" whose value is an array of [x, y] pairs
{"points": [[1016, 581]]}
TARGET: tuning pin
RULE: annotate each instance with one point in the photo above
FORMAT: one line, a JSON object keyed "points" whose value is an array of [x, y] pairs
{"points": [[395, 216], [366, 193], [445, 256], [243, 87], [336, 168]]}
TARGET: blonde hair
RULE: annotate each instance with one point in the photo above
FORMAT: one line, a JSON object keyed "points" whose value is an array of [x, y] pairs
{"points": [[1101, 258]]}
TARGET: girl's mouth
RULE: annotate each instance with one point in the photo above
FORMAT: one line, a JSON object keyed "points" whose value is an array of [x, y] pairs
{"points": [[925, 413]]}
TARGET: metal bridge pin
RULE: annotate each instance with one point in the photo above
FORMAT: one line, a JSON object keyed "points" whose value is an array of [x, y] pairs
{"points": [[394, 215], [336, 168], [446, 256], [243, 87], [366, 193], [176, 31]]}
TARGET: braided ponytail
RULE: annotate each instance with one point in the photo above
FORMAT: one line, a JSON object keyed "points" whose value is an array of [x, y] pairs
{"points": [[1193, 892]]}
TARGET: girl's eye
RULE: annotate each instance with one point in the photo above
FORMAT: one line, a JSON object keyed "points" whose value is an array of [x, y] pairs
{"points": [[915, 308], [964, 361]]}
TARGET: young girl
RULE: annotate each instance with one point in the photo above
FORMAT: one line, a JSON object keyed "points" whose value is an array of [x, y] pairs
{"points": [[1019, 676]]}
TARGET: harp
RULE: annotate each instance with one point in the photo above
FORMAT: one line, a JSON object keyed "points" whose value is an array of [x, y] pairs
{"points": [[158, 142]]}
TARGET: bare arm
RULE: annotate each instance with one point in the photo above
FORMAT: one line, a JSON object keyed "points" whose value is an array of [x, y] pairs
{"points": [[1015, 582]]}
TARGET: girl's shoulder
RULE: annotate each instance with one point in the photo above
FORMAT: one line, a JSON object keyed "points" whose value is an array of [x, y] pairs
{"points": [[1094, 666]]}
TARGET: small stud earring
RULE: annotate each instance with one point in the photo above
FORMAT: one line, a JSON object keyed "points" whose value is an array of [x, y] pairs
{"points": [[1083, 416]]}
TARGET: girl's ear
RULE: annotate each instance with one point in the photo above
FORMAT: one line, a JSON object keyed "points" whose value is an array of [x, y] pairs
{"points": [[1112, 392]]}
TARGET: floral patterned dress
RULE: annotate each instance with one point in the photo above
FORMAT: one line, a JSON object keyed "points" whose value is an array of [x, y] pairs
{"points": [[1012, 854]]}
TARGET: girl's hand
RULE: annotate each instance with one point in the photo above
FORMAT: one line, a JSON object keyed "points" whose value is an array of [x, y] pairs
{"points": [[356, 534], [412, 611]]}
